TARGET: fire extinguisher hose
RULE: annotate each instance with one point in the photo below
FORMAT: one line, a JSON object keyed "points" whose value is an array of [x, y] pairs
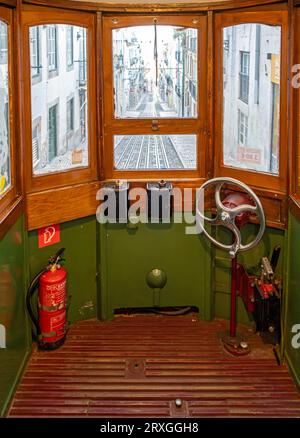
{"points": [[30, 292]]}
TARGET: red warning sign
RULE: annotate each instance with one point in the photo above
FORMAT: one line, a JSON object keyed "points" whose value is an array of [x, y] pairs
{"points": [[49, 235]]}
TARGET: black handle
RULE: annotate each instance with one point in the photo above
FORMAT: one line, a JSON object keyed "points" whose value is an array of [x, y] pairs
{"points": [[275, 257], [54, 259]]}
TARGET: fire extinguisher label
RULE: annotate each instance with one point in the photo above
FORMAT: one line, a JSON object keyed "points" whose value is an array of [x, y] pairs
{"points": [[55, 294], [57, 323]]}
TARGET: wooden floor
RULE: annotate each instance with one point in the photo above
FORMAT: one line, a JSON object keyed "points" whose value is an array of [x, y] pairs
{"points": [[138, 366]]}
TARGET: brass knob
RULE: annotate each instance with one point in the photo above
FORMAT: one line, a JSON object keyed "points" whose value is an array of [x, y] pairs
{"points": [[155, 126]]}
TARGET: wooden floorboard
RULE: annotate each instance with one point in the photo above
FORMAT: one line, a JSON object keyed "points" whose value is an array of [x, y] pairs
{"points": [[136, 366]]}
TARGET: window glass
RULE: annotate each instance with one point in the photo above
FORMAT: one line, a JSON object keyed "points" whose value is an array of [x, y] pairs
{"points": [[251, 84], [151, 152], [59, 98], [5, 173], [155, 72]]}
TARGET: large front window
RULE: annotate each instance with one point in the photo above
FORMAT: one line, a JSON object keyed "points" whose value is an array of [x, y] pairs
{"points": [[154, 123], [155, 72]]}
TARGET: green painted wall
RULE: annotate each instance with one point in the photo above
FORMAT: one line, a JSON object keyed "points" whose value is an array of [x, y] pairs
{"points": [[128, 255], [222, 267], [197, 274], [193, 277], [13, 276], [292, 303], [79, 238]]}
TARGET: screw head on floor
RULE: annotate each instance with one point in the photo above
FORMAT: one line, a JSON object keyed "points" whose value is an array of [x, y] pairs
{"points": [[178, 403], [243, 344]]}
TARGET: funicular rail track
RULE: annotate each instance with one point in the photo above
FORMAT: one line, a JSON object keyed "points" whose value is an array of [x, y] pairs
{"points": [[147, 152]]}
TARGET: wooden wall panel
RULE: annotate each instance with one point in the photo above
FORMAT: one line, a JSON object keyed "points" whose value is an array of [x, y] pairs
{"points": [[61, 205]]}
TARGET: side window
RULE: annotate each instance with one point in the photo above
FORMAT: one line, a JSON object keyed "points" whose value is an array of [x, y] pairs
{"points": [[251, 104], [59, 98], [5, 152]]}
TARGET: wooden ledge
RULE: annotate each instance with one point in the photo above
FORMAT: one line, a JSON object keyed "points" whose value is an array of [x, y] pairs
{"points": [[61, 205]]}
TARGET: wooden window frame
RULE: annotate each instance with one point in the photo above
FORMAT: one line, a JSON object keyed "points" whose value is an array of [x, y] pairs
{"points": [[32, 16], [11, 197], [113, 126], [295, 121], [267, 182]]}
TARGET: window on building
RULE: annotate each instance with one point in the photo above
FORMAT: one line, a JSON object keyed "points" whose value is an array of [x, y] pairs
{"points": [[35, 51], [244, 76], [5, 152], [3, 43], [255, 144], [70, 47], [70, 115], [81, 35], [52, 132], [53, 103], [52, 47], [151, 91], [243, 128], [83, 114], [35, 143]]}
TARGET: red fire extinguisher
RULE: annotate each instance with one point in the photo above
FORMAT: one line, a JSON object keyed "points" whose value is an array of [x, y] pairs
{"points": [[51, 325]]}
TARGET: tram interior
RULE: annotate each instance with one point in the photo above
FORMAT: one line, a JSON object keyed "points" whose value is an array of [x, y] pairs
{"points": [[149, 208]]}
